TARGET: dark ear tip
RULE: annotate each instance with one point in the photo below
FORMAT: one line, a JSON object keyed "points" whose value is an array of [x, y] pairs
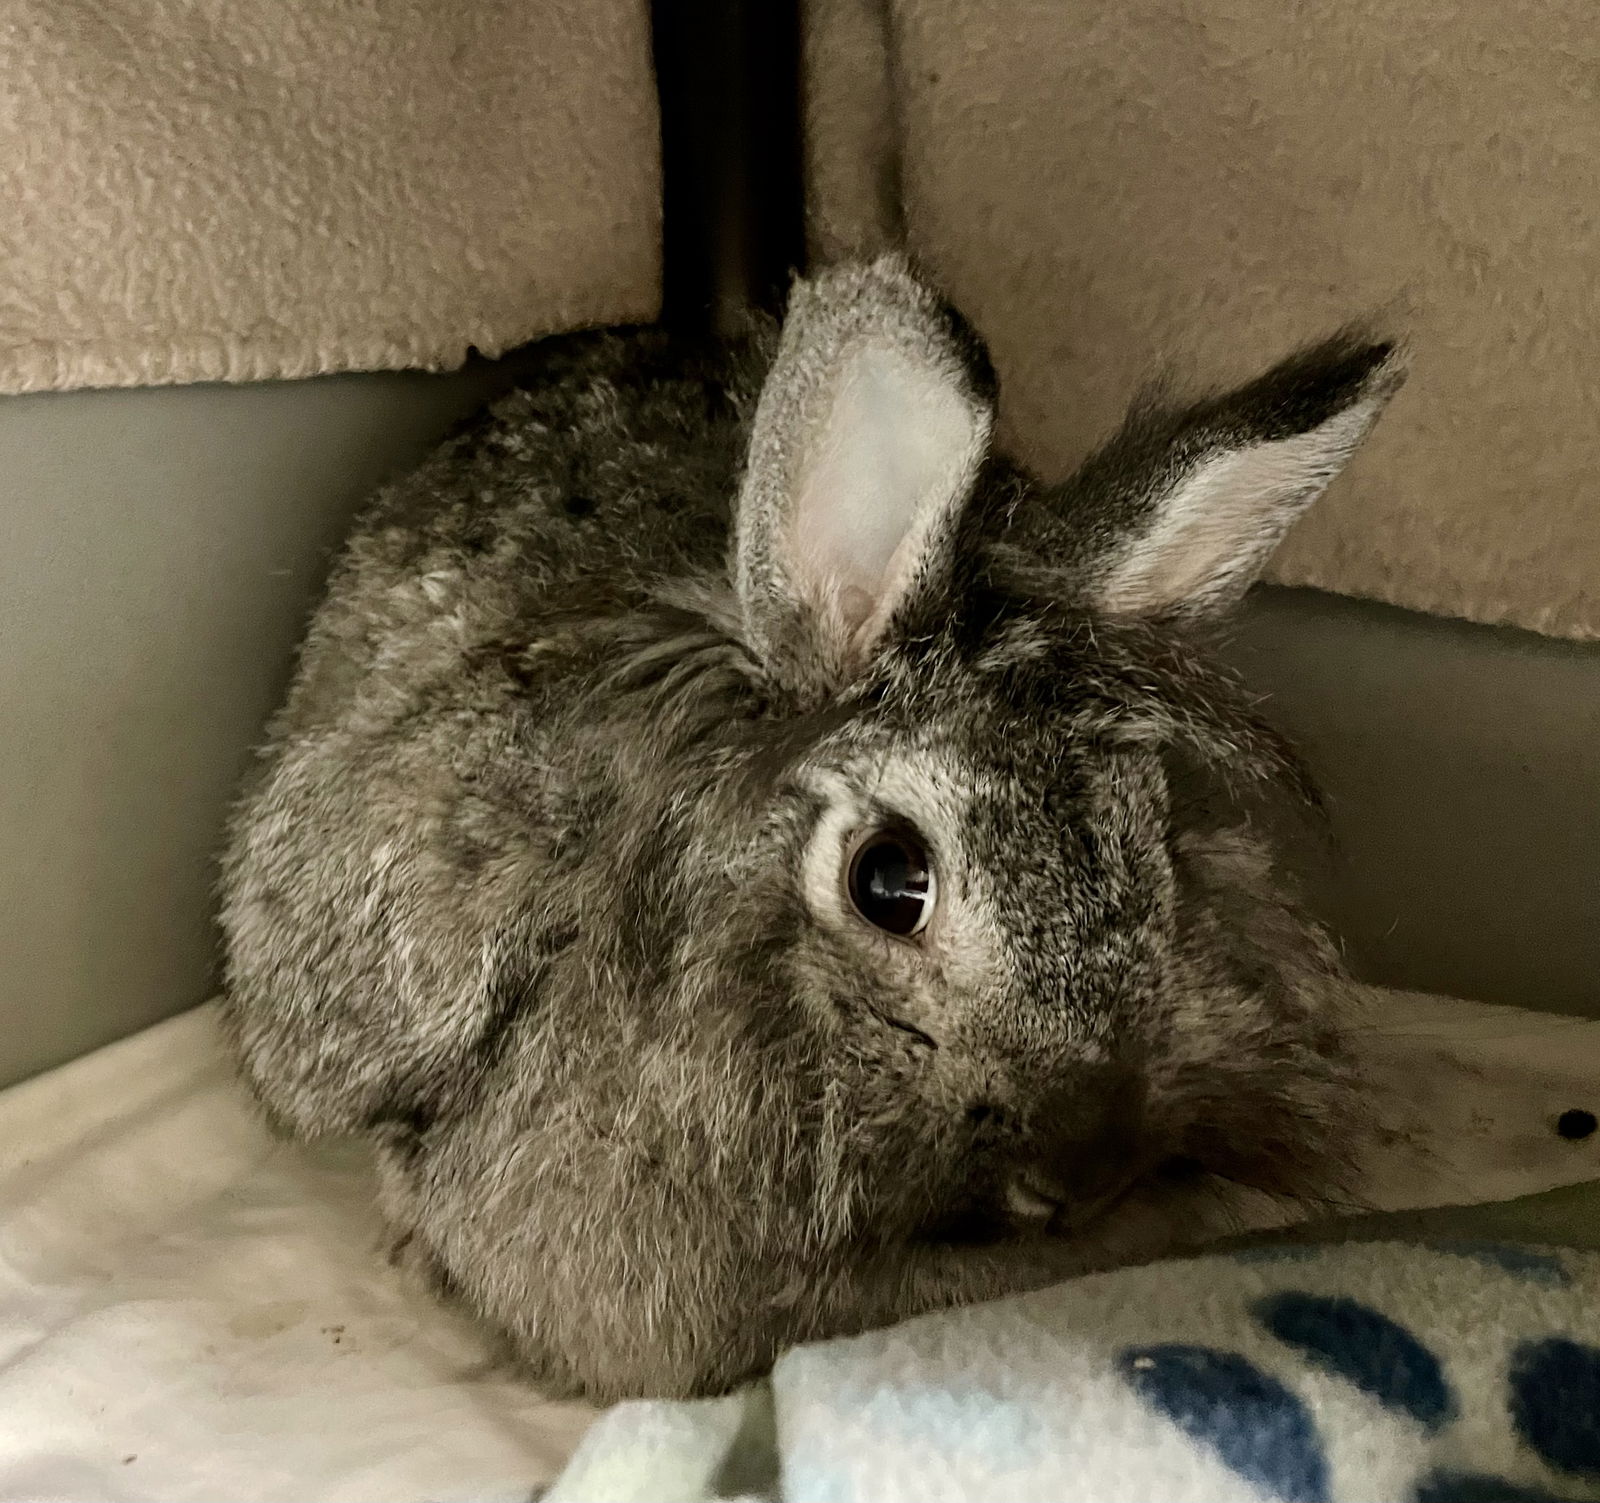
{"points": [[1316, 383], [1390, 369], [1358, 361]]}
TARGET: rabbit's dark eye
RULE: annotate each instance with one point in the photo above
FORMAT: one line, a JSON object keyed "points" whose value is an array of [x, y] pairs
{"points": [[891, 882]]}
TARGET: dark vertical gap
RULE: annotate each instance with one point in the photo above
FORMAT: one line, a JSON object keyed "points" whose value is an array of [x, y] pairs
{"points": [[892, 165], [728, 77]]}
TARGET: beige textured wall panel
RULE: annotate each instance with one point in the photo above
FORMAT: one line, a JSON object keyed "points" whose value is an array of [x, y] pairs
{"points": [[851, 158], [212, 190], [1123, 186]]}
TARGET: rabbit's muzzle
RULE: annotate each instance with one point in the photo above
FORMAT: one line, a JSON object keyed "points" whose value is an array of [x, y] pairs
{"points": [[1090, 1141]]}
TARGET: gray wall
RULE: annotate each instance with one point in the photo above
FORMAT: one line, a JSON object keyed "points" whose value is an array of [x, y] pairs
{"points": [[1462, 769], [160, 551]]}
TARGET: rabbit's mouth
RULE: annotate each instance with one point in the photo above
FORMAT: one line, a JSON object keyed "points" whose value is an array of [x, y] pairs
{"points": [[1040, 1205], [1031, 1199], [1037, 1201], [1071, 1189]]}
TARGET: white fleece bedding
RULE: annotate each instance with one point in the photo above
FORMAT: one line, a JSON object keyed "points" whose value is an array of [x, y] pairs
{"points": [[189, 1310]]}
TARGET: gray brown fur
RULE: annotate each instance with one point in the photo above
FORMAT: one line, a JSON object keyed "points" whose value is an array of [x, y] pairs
{"points": [[518, 888]]}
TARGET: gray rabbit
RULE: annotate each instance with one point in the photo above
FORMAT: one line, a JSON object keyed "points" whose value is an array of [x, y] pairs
{"points": [[757, 864]]}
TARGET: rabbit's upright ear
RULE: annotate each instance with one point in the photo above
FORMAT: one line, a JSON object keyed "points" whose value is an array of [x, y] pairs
{"points": [[1178, 514], [868, 437]]}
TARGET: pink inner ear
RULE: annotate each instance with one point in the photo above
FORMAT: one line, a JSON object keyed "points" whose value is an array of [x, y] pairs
{"points": [[855, 607], [1214, 529], [895, 452]]}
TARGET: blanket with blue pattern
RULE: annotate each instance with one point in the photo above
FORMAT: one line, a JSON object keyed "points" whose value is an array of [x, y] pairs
{"points": [[1353, 1373]]}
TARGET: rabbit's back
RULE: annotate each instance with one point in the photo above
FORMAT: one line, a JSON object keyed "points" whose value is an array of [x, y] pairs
{"points": [[610, 468], [380, 882]]}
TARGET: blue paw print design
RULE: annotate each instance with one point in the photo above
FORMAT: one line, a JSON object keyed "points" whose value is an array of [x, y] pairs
{"points": [[1265, 1433]]}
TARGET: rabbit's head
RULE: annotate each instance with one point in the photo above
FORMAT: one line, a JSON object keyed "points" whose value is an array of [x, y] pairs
{"points": [[979, 865]]}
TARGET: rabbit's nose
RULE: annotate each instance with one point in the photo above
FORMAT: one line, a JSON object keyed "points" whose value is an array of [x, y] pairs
{"points": [[1090, 1143]]}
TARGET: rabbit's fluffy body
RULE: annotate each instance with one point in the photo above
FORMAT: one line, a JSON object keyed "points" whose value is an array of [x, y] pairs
{"points": [[540, 881]]}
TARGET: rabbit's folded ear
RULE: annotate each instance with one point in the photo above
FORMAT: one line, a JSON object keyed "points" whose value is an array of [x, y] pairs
{"points": [[1179, 513], [867, 439]]}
